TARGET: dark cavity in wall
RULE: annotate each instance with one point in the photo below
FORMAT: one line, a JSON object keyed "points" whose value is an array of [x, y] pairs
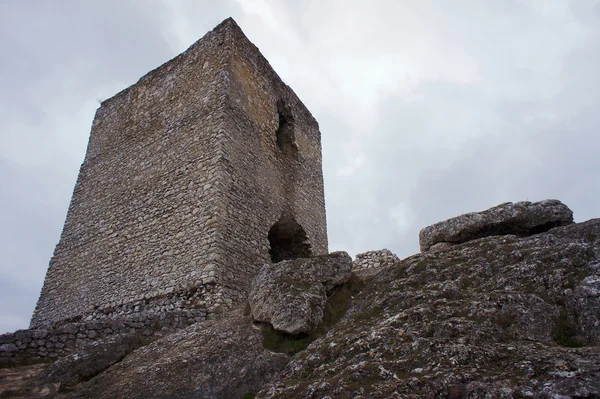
{"points": [[288, 240], [286, 139]]}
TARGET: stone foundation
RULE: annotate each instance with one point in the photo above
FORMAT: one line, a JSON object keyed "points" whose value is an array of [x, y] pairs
{"points": [[371, 262], [37, 345]]}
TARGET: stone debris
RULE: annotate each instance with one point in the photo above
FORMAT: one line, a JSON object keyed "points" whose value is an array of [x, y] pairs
{"points": [[520, 219], [291, 295], [371, 262]]}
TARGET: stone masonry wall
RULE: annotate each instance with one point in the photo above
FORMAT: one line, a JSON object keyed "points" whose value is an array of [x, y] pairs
{"points": [[31, 345], [143, 216], [371, 262], [180, 185], [264, 181]]}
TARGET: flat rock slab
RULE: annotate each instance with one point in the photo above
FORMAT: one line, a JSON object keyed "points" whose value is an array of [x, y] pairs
{"points": [[90, 360], [216, 359], [291, 295], [520, 219]]}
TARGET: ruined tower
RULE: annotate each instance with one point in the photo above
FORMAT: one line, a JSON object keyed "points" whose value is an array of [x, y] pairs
{"points": [[195, 176]]}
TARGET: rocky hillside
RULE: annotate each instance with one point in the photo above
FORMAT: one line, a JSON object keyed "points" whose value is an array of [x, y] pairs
{"points": [[494, 317], [507, 307]]}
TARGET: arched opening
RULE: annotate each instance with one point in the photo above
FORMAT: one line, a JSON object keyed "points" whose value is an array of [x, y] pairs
{"points": [[285, 128], [288, 241]]}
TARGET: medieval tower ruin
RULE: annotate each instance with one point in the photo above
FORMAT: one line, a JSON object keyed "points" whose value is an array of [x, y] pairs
{"points": [[194, 177]]}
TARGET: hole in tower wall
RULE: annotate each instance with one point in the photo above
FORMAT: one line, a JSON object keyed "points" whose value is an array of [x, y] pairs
{"points": [[288, 240], [285, 128]]}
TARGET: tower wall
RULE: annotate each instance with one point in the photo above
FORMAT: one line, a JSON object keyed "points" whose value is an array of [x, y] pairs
{"points": [[181, 182], [266, 181]]}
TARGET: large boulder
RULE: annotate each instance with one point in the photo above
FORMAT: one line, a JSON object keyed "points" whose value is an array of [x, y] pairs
{"points": [[520, 219], [221, 358], [291, 295]]}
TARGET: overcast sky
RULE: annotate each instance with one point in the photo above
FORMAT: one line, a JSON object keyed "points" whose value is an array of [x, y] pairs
{"points": [[428, 109]]}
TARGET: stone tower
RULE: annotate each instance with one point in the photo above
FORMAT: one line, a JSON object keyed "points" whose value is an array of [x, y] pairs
{"points": [[194, 177]]}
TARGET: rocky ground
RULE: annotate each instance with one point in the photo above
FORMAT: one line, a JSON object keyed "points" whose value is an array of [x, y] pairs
{"points": [[497, 317], [494, 317]]}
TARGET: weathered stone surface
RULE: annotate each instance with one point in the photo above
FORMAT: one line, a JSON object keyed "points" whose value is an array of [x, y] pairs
{"points": [[223, 174], [8, 348], [499, 317], [15, 382], [38, 345], [371, 262], [520, 218], [213, 359], [90, 360], [291, 295], [441, 246]]}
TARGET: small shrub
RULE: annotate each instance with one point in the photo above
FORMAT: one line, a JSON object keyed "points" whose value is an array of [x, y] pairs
{"points": [[450, 294], [457, 391], [564, 331], [505, 319], [590, 236], [281, 342], [400, 270], [247, 309], [420, 267], [465, 283], [335, 308], [369, 314]]}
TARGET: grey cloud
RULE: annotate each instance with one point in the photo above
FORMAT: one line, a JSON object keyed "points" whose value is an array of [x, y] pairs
{"points": [[539, 143], [58, 56]]}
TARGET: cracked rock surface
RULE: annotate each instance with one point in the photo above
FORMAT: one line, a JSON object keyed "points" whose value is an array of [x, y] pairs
{"points": [[497, 317], [291, 295], [90, 360], [214, 359], [520, 218]]}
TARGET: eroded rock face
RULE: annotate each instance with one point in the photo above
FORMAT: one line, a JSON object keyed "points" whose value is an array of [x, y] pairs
{"points": [[520, 218], [214, 359], [291, 295], [498, 317], [90, 360]]}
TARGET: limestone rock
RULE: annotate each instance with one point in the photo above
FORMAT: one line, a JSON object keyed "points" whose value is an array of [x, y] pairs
{"points": [[441, 246], [90, 361], [520, 218], [498, 317], [214, 359], [291, 295]]}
